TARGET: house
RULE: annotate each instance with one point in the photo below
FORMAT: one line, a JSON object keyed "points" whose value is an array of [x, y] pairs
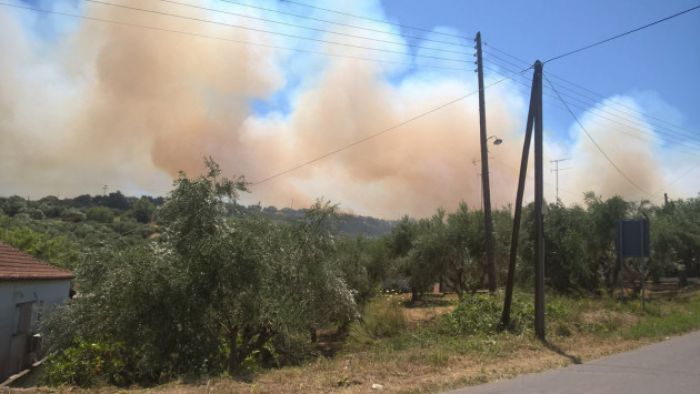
{"points": [[27, 288]]}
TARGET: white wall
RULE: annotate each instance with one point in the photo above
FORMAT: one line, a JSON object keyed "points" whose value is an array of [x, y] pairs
{"points": [[42, 292]]}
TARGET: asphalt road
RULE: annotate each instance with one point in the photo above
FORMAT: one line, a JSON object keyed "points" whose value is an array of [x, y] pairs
{"points": [[668, 367]]}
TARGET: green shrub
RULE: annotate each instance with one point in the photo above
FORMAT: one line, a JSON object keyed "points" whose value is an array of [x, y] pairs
{"points": [[34, 213], [100, 215], [475, 314], [85, 364], [481, 314], [73, 215]]}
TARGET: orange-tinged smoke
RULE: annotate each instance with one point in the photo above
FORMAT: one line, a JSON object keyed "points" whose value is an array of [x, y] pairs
{"points": [[127, 107]]}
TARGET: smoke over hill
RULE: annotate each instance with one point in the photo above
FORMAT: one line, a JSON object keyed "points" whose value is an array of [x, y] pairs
{"points": [[92, 103]]}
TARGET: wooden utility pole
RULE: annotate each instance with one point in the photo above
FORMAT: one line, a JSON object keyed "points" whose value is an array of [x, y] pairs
{"points": [[539, 197], [486, 193], [515, 234]]}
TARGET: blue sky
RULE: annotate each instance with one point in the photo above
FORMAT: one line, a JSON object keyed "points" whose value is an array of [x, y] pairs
{"points": [[661, 61]]}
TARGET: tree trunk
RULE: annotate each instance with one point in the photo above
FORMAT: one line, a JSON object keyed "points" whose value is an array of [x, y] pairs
{"points": [[233, 362], [415, 295]]}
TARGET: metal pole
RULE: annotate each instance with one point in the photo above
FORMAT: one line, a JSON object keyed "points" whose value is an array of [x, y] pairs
{"points": [[556, 171], [539, 194], [514, 238], [557, 176], [488, 224]]}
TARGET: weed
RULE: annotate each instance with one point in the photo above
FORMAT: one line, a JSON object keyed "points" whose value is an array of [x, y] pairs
{"points": [[382, 317]]}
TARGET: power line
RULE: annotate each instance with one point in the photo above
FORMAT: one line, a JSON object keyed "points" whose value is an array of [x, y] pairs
{"points": [[678, 178], [634, 131], [590, 137], [404, 26], [299, 50], [458, 36], [375, 135], [628, 121], [205, 36], [615, 37], [273, 32], [595, 97], [306, 27], [456, 44]]}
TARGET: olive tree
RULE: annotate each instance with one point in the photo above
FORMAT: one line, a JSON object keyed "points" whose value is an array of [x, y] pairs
{"points": [[211, 293]]}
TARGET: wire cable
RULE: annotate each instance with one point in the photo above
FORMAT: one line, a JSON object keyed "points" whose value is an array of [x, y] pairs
{"points": [[402, 44], [146, 10], [230, 40], [417, 28], [401, 35], [377, 134], [678, 178], [593, 95], [628, 120], [628, 32], [590, 137]]}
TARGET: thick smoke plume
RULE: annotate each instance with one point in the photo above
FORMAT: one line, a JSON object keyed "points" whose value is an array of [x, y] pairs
{"points": [[93, 103]]}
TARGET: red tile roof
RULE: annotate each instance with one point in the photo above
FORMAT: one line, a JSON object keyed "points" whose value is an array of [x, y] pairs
{"points": [[16, 265]]}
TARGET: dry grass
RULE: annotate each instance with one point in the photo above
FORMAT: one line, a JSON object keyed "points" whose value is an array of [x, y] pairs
{"points": [[431, 307], [405, 372], [420, 360]]}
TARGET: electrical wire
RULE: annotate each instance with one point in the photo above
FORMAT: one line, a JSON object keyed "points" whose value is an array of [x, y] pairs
{"points": [[678, 178], [377, 134], [400, 35], [404, 26], [595, 96], [629, 120], [590, 137], [205, 36], [288, 35], [615, 37], [402, 44]]}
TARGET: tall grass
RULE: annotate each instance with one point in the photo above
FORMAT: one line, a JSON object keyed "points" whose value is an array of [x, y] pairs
{"points": [[382, 317], [672, 318]]}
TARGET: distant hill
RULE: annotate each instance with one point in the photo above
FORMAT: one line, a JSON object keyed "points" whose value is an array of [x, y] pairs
{"points": [[348, 224], [125, 212]]}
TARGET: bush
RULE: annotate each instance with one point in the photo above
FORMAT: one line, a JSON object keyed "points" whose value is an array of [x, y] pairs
{"points": [[143, 210], [34, 213], [73, 215], [481, 314], [14, 205], [475, 314], [86, 364], [51, 210], [100, 215]]}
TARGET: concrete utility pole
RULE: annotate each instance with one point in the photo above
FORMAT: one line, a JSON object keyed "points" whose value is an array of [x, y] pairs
{"points": [[488, 224], [556, 170], [539, 197]]}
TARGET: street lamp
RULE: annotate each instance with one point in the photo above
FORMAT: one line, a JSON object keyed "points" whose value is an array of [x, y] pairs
{"points": [[496, 140]]}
